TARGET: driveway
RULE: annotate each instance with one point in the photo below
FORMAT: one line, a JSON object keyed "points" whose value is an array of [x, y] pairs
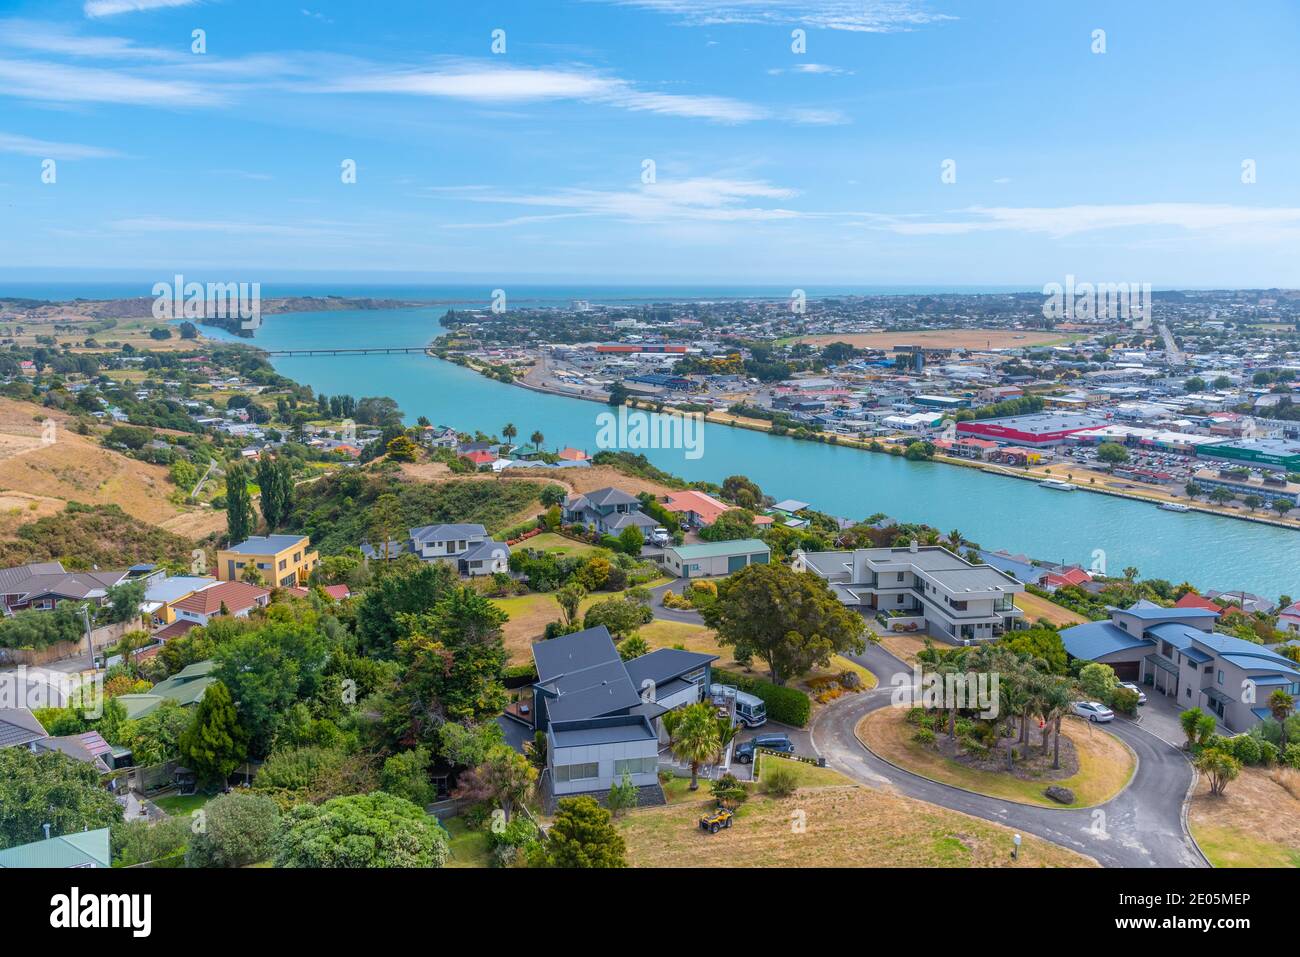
{"points": [[1161, 716], [687, 615], [1140, 827]]}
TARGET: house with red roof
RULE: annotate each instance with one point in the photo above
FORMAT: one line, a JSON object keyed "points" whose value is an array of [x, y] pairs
{"points": [[1062, 579], [228, 598]]}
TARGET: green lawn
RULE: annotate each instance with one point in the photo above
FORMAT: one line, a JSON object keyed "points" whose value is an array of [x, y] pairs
{"points": [[178, 805], [805, 775], [558, 545], [468, 848]]}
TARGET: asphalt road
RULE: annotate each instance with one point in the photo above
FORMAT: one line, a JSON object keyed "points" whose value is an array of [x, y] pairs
{"points": [[689, 616], [1142, 826]]}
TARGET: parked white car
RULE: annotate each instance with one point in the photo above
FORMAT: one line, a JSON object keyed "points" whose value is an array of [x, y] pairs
{"points": [[1094, 711], [1142, 697]]}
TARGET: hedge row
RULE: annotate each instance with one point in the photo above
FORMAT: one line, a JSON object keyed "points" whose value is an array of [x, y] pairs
{"points": [[787, 705]]}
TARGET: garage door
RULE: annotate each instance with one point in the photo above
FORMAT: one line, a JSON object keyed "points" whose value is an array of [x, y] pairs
{"points": [[1127, 670], [736, 562]]}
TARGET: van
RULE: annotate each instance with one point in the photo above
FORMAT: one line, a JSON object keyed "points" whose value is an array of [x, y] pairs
{"points": [[751, 711]]}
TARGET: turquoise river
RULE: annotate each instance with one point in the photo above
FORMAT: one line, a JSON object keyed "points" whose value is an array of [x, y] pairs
{"points": [[998, 512]]}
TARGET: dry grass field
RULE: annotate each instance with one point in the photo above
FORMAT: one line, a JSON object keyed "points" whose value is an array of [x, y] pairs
{"points": [[1254, 823], [76, 468], [844, 826], [1105, 763], [1036, 607], [973, 339]]}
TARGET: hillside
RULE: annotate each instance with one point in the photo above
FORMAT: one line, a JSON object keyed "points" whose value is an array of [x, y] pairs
{"points": [[84, 535], [335, 510], [39, 478]]}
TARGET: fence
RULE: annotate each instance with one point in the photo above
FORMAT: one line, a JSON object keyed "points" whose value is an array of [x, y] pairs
{"points": [[100, 638]]}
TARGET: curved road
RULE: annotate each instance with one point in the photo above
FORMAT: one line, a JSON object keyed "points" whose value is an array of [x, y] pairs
{"points": [[1142, 826]]}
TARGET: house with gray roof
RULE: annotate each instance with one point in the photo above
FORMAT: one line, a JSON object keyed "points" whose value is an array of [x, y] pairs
{"points": [[42, 585], [921, 588], [607, 510], [601, 714], [1176, 652], [467, 547]]}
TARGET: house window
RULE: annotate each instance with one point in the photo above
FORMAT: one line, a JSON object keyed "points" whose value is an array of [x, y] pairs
{"points": [[1220, 676], [1189, 692], [576, 772], [635, 766], [297, 557], [284, 563]]}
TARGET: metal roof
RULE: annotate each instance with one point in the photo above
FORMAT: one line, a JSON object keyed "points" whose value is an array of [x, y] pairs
{"points": [[743, 546], [1096, 639]]}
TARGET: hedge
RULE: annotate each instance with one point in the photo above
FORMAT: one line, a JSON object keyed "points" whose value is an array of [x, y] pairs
{"points": [[787, 705], [519, 676]]}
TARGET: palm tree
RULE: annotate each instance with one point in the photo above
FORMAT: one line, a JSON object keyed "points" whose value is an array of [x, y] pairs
{"points": [[1281, 704], [537, 439], [1130, 574], [1056, 706], [509, 432], [1014, 702], [695, 739], [954, 540]]}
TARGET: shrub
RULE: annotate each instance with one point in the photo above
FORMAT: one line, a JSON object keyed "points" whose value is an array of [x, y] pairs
{"points": [[1269, 754], [923, 737], [1246, 750], [1124, 701], [779, 780], [1291, 758], [917, 716]]}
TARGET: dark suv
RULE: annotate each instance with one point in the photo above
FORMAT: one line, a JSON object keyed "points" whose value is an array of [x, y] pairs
{"points": [[773, 742]]}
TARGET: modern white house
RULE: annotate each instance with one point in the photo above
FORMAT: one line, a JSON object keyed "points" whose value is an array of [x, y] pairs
{"points": [[921, 588], [467, 547]]}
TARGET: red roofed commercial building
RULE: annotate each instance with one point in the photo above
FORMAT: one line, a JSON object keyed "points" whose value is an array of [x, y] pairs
{"points": [[238, 599], [1040, 430], [634, 347]]}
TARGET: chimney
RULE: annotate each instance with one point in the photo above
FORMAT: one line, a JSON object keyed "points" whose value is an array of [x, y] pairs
{"points": [[47, 831], [914, 547]]}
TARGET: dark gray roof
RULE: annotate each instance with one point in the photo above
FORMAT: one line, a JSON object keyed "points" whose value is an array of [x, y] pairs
{"points": [[18, 726], [620, 728], [484, 550], [442, 533], [611, 496], [622, 520], [665, 664], [606, 698], [12, 578], [570, 653]]}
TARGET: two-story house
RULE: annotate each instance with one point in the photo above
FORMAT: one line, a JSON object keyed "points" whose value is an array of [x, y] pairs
{"points": [[1177, 652], [608, 511], [601, 714], [281, 560], [42, 585], [927, 588], [224, 598], [467, 547]]}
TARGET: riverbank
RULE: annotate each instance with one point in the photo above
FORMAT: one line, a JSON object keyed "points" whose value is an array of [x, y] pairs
{"points": [[893, 447]]}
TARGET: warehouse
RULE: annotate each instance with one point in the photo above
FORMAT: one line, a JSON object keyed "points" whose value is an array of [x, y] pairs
{"points": [[712, 559], [1039, 430], [1282, 454]]}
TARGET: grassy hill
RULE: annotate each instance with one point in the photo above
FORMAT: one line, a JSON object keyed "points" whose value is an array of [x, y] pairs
{"points": [[335, 510], [84, 535]]}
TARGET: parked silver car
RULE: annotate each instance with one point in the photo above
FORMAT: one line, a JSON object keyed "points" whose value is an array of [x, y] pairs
{"points": [[1094, 711]]}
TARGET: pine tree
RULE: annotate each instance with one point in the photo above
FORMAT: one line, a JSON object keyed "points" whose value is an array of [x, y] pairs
{"points": [[214, 743]]}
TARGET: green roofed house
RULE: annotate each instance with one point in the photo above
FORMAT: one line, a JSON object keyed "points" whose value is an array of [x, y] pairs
{"points": [[711, 559], [186, 687], [78, 849]]}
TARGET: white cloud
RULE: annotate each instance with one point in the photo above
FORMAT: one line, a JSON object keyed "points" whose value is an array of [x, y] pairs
{"points": [[860, 16], [483, 83], [701, 199], [62, 82], [44, 38], [813, 68], [110, 8], [26, 146], [1059, 221]]}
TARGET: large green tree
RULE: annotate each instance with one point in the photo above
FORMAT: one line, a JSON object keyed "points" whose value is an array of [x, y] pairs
{"points": [[401, 589], [275, 479], [504, 777], [214, 743], [239, 505], [791, 620], [50, 788], [360, 830]]}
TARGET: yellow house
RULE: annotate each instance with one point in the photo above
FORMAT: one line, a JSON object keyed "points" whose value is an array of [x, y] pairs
{"points": [[283, 560]]}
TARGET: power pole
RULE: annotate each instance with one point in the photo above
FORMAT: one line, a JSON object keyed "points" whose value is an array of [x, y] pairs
{"points": [[90, 644]]}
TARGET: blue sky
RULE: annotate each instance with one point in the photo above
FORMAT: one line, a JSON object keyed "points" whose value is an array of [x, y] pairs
{"points": [[770, 165]]}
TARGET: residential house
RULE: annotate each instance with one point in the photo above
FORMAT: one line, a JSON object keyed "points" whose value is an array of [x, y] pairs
{"points": [[601, 714], [1288, 618], [232, 598], [1176, 652], [161, 595], [921, 588], [466, 547], [1064, 577], [281, 559], [713, 559], [81, 849], [607, 510], [186, 688], [42, 585]]}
